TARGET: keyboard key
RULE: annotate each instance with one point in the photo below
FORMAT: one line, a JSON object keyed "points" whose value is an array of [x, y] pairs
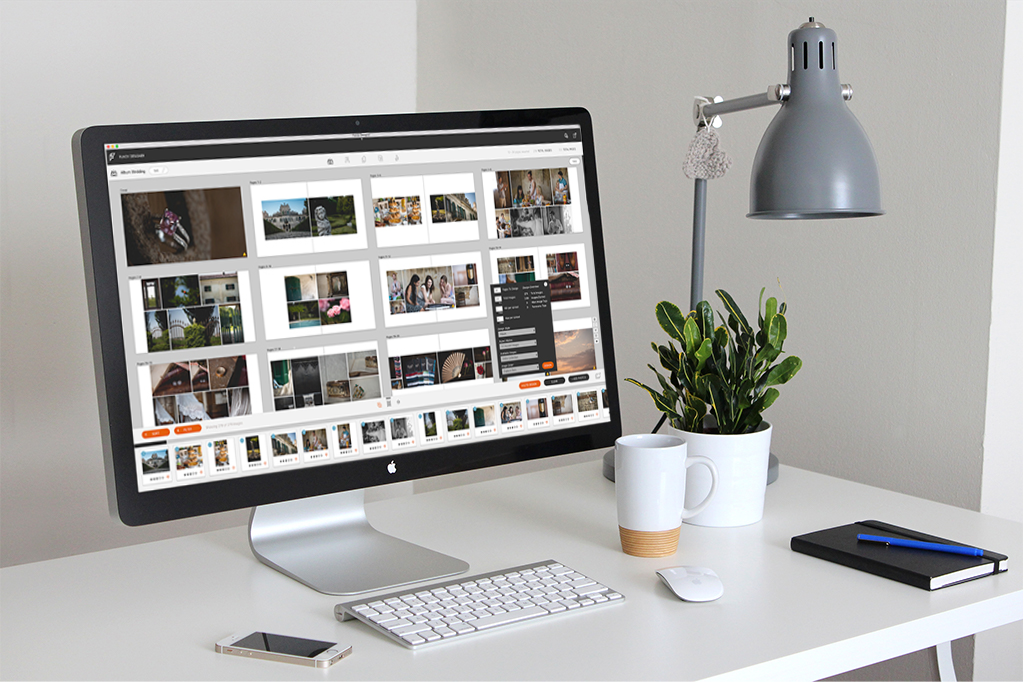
{"points": [[414, 639], [590, 589], [409, 629], [509, 617]]}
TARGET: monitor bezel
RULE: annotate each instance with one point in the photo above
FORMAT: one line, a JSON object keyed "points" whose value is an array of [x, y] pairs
{"points": [[135, 507]]}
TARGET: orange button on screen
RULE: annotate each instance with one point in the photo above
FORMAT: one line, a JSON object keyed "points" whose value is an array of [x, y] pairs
{"points": [[529, 384], [191, 428], [548, 365], [156, 433]]}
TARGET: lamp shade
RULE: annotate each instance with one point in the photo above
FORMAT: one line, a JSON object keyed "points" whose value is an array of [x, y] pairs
{"points": [[815, 160]]}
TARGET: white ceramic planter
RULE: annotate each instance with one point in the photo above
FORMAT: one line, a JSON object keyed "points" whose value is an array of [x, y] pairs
{"points": [[742, 463]]}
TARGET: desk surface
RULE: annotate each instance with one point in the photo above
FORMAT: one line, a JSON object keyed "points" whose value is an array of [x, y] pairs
{"points": [[153, 611]]}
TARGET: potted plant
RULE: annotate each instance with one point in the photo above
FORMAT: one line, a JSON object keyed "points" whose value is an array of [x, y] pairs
{"points": [[720, 380]]}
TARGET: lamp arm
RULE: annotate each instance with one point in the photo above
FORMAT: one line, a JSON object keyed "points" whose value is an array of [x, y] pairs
{"points": [[704, 109]]}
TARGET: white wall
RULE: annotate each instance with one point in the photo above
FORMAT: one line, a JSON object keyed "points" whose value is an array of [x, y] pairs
{"points": [[1004, 443], [68, 65]]}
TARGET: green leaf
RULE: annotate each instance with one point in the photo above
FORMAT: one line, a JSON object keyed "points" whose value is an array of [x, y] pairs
{"points": [[660, 401], [766, 356], [720, 400], [734, 310], [671, 320], [692, 335], [707, 318], [703, 353], [777, 331], [784, 371], [768, 398], [669, 357], [770, 309], [666, 389]]}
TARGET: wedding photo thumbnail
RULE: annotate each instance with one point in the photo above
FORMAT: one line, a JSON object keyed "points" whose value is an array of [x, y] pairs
{"points": [[564, 276], [317, 299], [192, 311], [325, 379], [394, 211], [453, 208], [517, 269], [183, 225], [200, 390], [457, 420], [574, 351], [442, 367], [307, 217], [433, 288], [155, 461]]}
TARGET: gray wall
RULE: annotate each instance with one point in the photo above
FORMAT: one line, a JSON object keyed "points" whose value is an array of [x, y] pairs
{"points": [[890, 315], [68, 65]]}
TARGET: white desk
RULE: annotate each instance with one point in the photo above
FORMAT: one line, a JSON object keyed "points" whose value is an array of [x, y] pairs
{"points": [[155, 610]]}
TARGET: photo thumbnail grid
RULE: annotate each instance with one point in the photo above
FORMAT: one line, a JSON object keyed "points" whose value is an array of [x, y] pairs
{"points": [[192, 311], [308, 217], [341, 377], [432, 288], [199, 390], [532, 203], [440, 367], [322, 299], [563, 266], [317, 299], [424, 209], [301, 217]]}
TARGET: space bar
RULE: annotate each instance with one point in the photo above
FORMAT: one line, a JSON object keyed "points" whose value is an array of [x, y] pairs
{"points": [[509, 617]]}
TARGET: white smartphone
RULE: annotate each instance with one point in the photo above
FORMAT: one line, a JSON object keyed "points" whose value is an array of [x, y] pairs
{"points": [[282, 648]]}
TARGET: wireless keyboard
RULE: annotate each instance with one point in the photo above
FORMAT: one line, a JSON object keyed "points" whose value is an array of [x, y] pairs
{"points": [[467, 606]]}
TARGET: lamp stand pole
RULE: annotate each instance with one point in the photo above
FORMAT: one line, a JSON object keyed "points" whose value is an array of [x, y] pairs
{"points": [[700, 211]]}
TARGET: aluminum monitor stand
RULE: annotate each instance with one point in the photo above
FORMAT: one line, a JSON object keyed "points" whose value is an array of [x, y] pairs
{"points": [[327, 543]]}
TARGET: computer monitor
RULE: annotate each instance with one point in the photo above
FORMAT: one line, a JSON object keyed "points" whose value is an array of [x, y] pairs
{"points": [[287, 312]]}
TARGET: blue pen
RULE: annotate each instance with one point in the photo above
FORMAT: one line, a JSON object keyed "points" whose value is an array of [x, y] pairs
{"points": [[931, 546]]}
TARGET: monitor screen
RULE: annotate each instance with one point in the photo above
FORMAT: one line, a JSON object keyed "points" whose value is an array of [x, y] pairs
{"points": [[285, 309]]}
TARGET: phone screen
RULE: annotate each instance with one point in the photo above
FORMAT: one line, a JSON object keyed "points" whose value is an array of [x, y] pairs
{"points": [[281, 644]]}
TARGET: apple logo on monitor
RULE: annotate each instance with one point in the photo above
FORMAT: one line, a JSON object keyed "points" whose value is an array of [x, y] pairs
{"points": [[392, 468]]}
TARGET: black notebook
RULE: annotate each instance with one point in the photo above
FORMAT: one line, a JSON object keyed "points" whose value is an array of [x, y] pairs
{"points": [[918, 567]]}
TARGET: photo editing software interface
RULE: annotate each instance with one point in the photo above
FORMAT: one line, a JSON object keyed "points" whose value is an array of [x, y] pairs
{"points": [[284, 307]]}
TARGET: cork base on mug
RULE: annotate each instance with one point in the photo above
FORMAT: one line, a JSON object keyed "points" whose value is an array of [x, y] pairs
{"points": [[652, 543]]}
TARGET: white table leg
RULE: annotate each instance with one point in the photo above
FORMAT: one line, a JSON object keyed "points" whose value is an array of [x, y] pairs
{"points": [[944, 655]]}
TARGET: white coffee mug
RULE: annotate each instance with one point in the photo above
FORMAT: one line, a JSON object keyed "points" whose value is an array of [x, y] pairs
{"points": [[650, 491]]}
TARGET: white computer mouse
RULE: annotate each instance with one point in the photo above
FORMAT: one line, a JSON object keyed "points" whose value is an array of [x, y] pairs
{"points": [[692, 583]]}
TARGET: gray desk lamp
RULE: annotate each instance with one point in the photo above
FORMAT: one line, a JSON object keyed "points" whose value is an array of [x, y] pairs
{"points": [[814, 161]]}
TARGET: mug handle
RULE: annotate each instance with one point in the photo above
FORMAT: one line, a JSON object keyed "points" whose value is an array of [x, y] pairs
{"points": [[698, 459]]}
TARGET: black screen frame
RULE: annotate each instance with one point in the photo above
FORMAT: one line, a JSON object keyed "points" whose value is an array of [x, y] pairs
{"points": [[134, 507]]}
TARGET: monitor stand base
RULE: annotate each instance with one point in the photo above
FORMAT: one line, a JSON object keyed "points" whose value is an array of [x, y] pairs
{"points": [[327, 543]]}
